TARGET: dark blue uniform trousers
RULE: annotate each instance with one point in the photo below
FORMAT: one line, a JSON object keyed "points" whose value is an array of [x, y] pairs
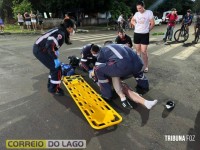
{"points": [[55, 73], [121, 68]]}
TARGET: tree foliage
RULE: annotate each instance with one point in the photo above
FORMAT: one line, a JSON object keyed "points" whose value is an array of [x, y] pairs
{"points": [[119, 7], [181, 6], [21, 6], [59, 7]]}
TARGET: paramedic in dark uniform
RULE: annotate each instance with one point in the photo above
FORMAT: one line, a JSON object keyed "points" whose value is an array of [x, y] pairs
{"points": [[87, 59], [46, 50], [123, 38], [116, 60]]}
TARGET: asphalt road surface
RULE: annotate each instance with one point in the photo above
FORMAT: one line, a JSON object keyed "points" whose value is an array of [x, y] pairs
{"points": [[28, 111]]}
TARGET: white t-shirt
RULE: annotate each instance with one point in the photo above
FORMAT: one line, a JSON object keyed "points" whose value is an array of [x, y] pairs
{"points": [[143, 21], [120, 18]]}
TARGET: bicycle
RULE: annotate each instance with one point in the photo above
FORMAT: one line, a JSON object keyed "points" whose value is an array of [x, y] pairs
{"points": [[167, 36], [181, 35], [197, 35], [113, 24]]}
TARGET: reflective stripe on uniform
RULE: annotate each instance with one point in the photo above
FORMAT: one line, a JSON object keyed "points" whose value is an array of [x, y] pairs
{"points": [[103, 81], [55, 41], [98, 63], [89, 57], [84, 60], [45, 36], [55, 82], [115, 51], [140, 78]]}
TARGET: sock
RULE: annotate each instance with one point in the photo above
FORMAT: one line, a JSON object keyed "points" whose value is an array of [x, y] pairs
{"points": [[123, 99], [150, 104]]}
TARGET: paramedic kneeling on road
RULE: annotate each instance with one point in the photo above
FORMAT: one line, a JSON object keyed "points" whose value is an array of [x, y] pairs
{"points": [[116, 60], [87, 59], [46, 50]]}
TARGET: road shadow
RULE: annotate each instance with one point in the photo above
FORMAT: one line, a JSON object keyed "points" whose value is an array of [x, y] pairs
{"points": [[194, 133], [171, 42], [187, 44], [144, 113], [166, 112], [154, 42]]}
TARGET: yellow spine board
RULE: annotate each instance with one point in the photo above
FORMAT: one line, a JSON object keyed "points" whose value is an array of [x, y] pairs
{"points": [[97, 112]]}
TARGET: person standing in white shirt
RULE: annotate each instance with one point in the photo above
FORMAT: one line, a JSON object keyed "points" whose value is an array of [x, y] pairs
{"points": [[143, 21], [120, 21]]}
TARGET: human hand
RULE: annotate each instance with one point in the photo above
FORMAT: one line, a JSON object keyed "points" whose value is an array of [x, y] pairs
{"points": [[91, 73], [57, 63], [57, 53]]}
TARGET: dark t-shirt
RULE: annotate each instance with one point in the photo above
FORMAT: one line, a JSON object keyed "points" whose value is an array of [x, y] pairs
{"points": [[27, 17], [125, 40]]}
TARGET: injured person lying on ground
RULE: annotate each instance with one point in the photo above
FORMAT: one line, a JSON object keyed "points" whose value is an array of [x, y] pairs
{"points": [[123, 90]]}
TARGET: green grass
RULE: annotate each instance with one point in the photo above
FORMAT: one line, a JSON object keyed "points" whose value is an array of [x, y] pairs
{"points": [[13, 28], [158, 33]]}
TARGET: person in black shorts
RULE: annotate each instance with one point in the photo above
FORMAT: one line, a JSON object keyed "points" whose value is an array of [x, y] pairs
{"points": [[143, 21]]}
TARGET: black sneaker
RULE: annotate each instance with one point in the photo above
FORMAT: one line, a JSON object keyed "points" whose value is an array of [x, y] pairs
{"points": [[126, 104], [164, 39], [106, 99], [59, 92]]}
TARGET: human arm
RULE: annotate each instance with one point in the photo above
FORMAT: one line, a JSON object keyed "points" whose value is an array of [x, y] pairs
{"points": [[53, 44], [129, 42], [152, 24], [151, 21], [133, 21]]}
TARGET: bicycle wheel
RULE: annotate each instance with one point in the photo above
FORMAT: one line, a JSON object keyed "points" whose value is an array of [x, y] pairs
{"points": [[197, 36], [181, 35]]}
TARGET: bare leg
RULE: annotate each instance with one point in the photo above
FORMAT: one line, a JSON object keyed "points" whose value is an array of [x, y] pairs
{"points": [[117, 86], [144, 55], [136, 97], [138, 49]]}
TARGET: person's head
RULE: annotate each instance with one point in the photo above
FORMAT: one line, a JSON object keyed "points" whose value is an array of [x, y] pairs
{"points": [[188, 11], [69, 25], [173, 10], [108, 43], [121, 33], [95, 50], [140, 6]]}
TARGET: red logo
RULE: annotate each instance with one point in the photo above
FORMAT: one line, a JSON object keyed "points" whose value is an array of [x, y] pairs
{"points": [[59, 36]]}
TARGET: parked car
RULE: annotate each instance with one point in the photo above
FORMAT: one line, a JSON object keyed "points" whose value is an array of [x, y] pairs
{"points": [[157, 21], [165, 20]]}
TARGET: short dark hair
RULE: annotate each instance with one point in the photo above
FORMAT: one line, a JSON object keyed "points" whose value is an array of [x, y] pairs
{"points": [[95, 48], [173, 9], [140, 3], [68, 23], [108, 42], [121, 31]]}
